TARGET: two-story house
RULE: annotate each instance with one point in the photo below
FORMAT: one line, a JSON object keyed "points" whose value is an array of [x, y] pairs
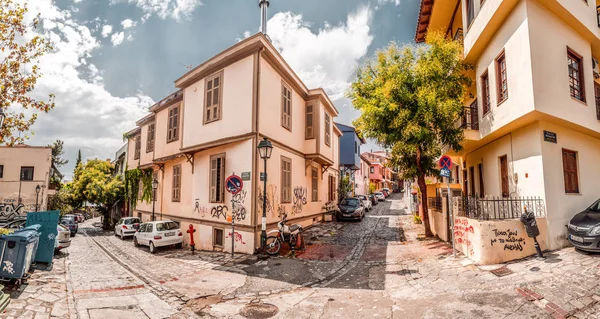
{"points": [[532, 116], [350, 143], [209, 129], [380, 174], [24, 179]]}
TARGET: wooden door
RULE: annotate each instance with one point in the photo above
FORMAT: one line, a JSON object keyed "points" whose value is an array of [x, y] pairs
{"points": [[504, 175], [472, 181], [481, 189]]}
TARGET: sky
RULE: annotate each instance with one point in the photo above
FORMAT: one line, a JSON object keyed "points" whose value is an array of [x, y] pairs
{"points": [[112, 59]]}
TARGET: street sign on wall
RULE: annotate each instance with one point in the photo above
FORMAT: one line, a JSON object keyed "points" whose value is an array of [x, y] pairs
{"points": [[445, 172]]}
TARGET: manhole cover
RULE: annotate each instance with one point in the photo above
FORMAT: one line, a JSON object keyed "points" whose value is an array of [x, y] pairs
{"points": [[501, 272], [535, 269], [259, 311]]}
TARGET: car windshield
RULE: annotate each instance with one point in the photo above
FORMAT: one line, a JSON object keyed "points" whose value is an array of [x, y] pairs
{"points": [[66, 221], [362, 197], [595, 207], [166, 226], [132, 221], [378, 193], [350, 202]]}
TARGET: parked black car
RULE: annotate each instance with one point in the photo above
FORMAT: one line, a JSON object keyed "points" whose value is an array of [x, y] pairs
{"points": [[584, 229], [70, 224], [373, 200], [350, 208]]}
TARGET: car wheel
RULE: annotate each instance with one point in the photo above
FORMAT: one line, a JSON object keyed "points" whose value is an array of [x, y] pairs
{"points": [[179, 246], [135, 242], [152, 248], [121, 235]]}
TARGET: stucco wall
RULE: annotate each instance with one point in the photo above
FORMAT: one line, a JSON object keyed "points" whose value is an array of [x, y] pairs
{"points": [[203, 239], [13, 158], [438, 223], [236, 108], [494, 242], [562, 206], [145, 157]]}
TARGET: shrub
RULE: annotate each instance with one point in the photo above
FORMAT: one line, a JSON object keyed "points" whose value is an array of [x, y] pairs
{"points": [[417, 219]]}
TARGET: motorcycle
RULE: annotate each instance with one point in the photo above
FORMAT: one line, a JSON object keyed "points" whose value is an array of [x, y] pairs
{"points": [[284, 234]]}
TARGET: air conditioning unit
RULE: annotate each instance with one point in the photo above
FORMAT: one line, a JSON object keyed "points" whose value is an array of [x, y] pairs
{"points": [[596, 68]]}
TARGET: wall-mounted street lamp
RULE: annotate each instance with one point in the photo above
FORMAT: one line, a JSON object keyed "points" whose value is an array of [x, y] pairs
{"points": [[37, 196], [154, 187], [265, 148]]}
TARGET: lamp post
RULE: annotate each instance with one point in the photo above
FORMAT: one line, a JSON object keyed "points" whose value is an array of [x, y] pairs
{"points": [[37, 196], [154, 187], [264, 149]]}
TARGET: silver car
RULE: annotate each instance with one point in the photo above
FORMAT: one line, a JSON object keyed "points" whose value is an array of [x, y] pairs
{"points": [[366, 202]]}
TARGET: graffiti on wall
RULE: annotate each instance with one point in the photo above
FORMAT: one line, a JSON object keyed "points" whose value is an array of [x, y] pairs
{"points": [[509, 238], [462, 229], [219, 211], [11, 210], [238, 238], [238, 211], [299, 200], [203, 211], [273, 206]]}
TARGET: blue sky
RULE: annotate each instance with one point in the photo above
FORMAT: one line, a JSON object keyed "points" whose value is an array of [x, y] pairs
{"points": [[114, 58]]}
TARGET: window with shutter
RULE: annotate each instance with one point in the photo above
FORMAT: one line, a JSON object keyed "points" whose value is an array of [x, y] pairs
{"points": [[485, 93], [176, 194], [138, 146], [315, 184], [501, 78], [327, 129], [576, 82], [286, 180], [286, 107], [309, 122], [570, 171], [217, 178], [213, 98], [27, 173], [173, 124], [150, 140]]}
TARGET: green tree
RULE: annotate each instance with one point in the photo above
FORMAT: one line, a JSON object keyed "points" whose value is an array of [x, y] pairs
{"points": [[95, 183], [410, 101], [372, 188], [19, 71], [77, 164], [344, 187], [57, 153]]}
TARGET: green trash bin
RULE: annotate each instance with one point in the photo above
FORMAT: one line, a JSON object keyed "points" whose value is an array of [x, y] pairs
{"points": [[17, 251]]}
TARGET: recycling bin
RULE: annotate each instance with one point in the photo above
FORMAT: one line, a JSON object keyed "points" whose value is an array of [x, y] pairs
{"points": [[33, 228], [16, 253], [531, 227]]}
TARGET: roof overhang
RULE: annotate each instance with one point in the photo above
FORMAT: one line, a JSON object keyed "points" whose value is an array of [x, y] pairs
{"points": [[337, 131], [168, 101], [322, 95], [425, 10], [320, 159], [146, 119]]}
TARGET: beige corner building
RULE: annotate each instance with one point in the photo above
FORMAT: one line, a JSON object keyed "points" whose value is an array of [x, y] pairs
{"points": [[533, 119], [210, 128]]}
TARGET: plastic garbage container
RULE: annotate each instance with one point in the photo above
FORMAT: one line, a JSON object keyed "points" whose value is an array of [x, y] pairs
{"points": [[16, 253], [33, 228]]}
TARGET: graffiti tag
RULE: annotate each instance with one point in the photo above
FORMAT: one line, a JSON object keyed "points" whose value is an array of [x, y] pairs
{"points": [[238, 211], [219, 211], [238, 238], [299, 200]]}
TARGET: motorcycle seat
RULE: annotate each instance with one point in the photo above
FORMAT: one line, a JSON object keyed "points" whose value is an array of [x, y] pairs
{"points": [[294, 228]]}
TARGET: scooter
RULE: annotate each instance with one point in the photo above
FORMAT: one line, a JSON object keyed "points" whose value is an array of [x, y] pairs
{"points": [[284, 234]]}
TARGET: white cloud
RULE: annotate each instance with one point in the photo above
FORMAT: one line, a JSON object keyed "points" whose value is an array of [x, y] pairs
{"points": [[86, 115], [106, 30], [130, 37], [128, 23], [117, 38], [174, 9], [328, 57], [396, 2]]}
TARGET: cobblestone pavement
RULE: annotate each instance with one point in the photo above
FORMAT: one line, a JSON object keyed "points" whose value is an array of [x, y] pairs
{"points": [[379, 267]]}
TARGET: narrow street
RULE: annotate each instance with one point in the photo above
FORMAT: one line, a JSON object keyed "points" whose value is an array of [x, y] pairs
{"points": [[374, 268]]}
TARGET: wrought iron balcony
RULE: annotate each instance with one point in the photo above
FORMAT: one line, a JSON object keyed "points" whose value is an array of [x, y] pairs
{"points": [[458, 36], [498, 208], [470, 119]]}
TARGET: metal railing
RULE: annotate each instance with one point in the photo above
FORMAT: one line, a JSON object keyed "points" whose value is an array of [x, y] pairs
{"points": [[435, 203], [598, 108], [458, 36], [498, 208], [470, 119]]}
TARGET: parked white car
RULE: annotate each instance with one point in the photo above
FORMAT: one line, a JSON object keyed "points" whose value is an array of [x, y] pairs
{"points": [[63, 238], [366, 201], [127, 226], [380, 197], [158, 234]]}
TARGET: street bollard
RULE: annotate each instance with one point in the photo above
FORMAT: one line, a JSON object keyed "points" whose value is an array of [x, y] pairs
{"points": [[531, 227], [191, 231]]}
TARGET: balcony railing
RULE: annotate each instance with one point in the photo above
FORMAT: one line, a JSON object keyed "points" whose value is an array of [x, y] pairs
{"points": [[598, 108], [435, 203], [470, 119], [458, 36], [497, 208]]}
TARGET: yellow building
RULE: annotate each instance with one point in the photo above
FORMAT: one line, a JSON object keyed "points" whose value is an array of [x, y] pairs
{"points": [[532, 119], [210, 128]]}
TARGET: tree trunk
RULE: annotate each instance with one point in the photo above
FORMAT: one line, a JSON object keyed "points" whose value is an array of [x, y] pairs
{"points": [[424, 214]]}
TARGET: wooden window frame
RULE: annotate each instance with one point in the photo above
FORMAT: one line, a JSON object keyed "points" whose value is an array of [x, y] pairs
{"points": [[571, 189], [470, 4], [32, 173], [176, 186], [173, 126], [214, 233], [286, 189], [486, 97], [498, 61], [572, 55], [314, 184], [286, 118], [327, 129], [310, 130], [505, 193], [219, 106], [138, 147], [217, 182], [149, 141]]}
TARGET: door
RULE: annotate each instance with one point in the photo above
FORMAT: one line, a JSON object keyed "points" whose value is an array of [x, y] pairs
{"points": [[504, 175], [472, 181], [481, 189], [143, 235], [465, 183], [597, 96]]}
